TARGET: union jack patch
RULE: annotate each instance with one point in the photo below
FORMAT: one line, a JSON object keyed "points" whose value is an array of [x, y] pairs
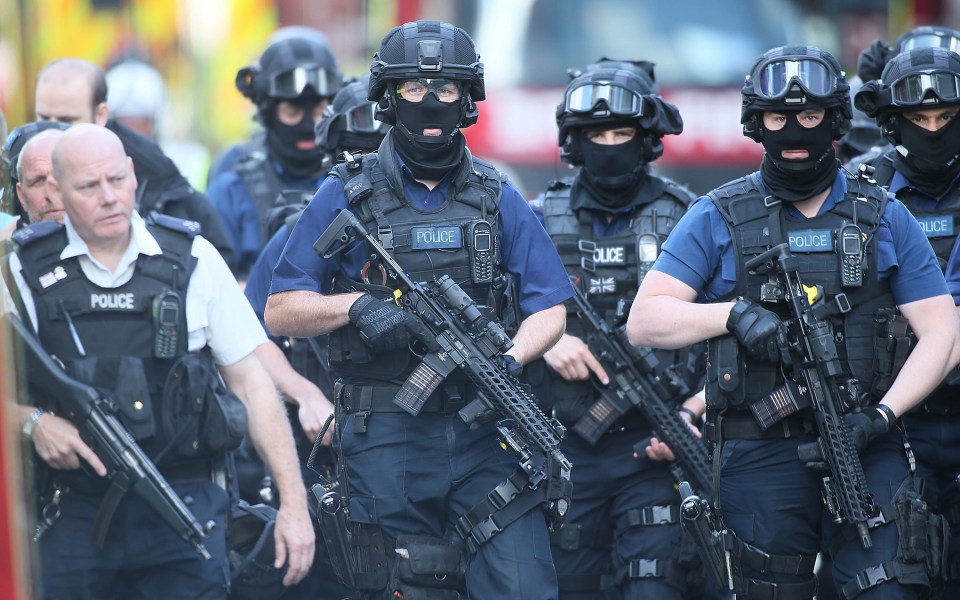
{"points": [[602, 285]]}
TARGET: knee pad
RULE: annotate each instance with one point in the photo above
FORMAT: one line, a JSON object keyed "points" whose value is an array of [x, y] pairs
{"points": [[427, 568]]}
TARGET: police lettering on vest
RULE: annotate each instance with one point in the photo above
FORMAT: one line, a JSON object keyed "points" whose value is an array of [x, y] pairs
{"points": [[614, 256], [936, 226], [113, 301], [433, 238], [811, 240]]}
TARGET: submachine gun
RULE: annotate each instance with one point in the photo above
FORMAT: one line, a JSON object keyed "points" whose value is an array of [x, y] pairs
{"points": [[817, 370], [635, 382], [128, 468]]}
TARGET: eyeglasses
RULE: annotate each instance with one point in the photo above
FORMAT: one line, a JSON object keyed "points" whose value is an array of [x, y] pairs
{"points": [[775, 79], [931, 40], [362, 119], [414, 90], [911, 90], [292, 83], [617, 99]]}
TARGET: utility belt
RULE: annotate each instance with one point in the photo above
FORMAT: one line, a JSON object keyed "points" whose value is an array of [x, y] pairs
{"points": [[741, 425], [184, 472], [942, 402], [371, 398]]}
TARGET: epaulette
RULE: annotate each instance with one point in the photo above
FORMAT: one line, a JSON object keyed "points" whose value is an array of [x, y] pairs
{"points": [[250, 161], [185, 226], [35, 231], [559, 184]]}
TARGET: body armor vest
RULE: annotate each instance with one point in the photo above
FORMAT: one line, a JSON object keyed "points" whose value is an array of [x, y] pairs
{"points": [[610, 269], [758, 222], [426, 244], [940, 225], [267, 191], [102, 335]]}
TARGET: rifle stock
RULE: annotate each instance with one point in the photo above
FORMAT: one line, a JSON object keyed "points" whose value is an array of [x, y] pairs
{"points": [[128, 468]]}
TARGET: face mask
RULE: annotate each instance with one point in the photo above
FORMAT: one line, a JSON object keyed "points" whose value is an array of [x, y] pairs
{"points": [[428, 157], [928, 159], [282, 145], [793, 180], [611, 173]]}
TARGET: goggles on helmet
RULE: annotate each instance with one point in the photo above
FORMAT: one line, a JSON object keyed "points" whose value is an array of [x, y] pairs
{"points": [[931, 40], [292, 83], [774, 80], [414, 90], [910, 90], [619, 100], [361, 119]]}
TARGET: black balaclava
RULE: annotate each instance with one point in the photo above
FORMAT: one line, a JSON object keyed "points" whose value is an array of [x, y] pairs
{"points": [[793, 180], [930, 160], [282, 140], [612, 173], [429, 157]]}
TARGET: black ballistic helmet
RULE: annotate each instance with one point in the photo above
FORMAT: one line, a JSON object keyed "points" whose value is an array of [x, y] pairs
{"points": [[795, 78], [291, 68], [914, 80], [349, 122], [252, 552], [426, 49], [612, 93], [873, 59], [18, 138]]}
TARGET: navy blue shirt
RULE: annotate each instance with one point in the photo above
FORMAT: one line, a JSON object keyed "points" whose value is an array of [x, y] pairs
{"points": [[526, 249], [699, 251], [239, 214], [261, 273]]}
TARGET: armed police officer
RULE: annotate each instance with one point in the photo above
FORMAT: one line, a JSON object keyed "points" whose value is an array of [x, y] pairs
{"points": [[291, 85], [29, 157], [73, 90], [105, 268], [915, 103], [608, 223], [762, 378], [412, 479]]}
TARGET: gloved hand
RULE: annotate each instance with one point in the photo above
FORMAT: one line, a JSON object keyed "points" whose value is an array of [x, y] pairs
{"points": [[384, 326], [510, 365], [866, 426], [757, 329]]}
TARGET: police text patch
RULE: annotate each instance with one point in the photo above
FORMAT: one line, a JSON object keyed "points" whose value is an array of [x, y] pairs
{"points": [[936, 226], [438, 237], [614, 256], [811, 240]]}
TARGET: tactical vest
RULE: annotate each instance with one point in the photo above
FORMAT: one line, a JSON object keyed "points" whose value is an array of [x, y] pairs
{"points": [[426, 244], [758, 222], [940, 225], [101, 335], [611, 269], [265, 188]]}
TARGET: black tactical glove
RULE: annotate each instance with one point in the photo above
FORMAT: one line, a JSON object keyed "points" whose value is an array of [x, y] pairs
{"points": [[384, 326], [510, 365], [866, 426], [757, 330]]}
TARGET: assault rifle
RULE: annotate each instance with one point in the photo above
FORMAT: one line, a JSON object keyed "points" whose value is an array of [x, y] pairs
{"points": [[813, 352], [128, 468], [634, 382], [457, 334]]}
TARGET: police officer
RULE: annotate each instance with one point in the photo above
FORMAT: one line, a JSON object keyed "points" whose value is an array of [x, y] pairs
{"points": [[795, 103], [291, 84], [105, 266], [30, 164], [916, 103], [73, 90], [418, 475], [608, 223]]}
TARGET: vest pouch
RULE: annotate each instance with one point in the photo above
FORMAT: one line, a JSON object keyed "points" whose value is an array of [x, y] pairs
{"points": [[122, 380], [224, 419], [725, 373]]}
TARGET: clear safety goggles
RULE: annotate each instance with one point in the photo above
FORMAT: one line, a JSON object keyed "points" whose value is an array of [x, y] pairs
{"points": [[414, 90], [618, 99], [910, 90], [292, 83], [362, 119], [775, 79], [931, 40]]}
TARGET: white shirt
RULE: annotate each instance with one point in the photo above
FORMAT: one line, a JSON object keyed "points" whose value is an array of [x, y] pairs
{"points": [[218, 314]]}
